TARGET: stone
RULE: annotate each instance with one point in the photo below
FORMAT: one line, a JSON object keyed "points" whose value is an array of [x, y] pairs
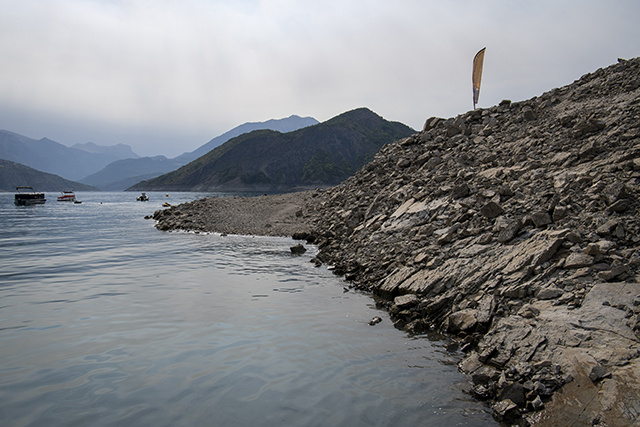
{"points": [[578, 260], [528, 311], [559, 212], [608, 227], [403, 163], [485, 309], [540, 219], [375, 320], [617, 270], [592, 249], [549, 293], [513, 392], [460, 190], [537, 404], [506, 410], [528, 114], [298, 249], [616, 192], [484, 374], [406, 301], [446, 235], [597, 373], [491, 210], [618, 206], [510, 231], [462, 321]]}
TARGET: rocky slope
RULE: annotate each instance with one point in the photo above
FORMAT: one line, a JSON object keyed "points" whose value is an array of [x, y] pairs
{"points": [[515, 229]]}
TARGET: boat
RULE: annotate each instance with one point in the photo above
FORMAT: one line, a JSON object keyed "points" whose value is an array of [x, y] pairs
{"points": [[28, 196], [143, 197], [67, 196]]}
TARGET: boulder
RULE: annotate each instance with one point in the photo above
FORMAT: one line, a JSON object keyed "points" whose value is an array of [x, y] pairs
{"points": [[462, 321]]}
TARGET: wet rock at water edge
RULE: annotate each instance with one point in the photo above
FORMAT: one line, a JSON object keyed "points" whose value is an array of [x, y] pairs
{"points": [[298, 249], [375, 320]]}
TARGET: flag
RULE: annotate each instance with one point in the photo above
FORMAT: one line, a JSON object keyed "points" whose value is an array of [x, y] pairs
{"points": [[477, 75]]}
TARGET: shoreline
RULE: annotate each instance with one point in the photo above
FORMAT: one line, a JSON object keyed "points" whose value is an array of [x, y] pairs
{"points": [[576, 387], [282, 215]]}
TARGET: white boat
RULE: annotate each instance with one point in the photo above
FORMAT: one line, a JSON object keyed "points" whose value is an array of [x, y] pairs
{"points": [[67, 196], [143, 197], [28, 196]]}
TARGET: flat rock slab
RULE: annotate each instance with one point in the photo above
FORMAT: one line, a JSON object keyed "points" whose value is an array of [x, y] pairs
{"points": [[602, 336]]}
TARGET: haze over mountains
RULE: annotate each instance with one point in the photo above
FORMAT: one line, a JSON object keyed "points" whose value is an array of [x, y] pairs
{"points": [[50, 156], [111, 167]]}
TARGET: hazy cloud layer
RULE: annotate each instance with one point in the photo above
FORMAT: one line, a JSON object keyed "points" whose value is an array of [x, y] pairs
{"points": [[167, 76]]}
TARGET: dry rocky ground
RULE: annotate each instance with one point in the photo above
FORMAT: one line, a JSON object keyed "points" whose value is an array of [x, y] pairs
{"points": [[515, 229]]}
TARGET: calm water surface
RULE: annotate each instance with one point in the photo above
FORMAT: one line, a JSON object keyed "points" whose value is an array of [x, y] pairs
{"points": [[105, 321]]}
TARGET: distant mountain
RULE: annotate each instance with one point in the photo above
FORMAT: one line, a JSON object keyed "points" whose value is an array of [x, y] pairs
{"points": [[287, 124], [125, 173], [264, 160], [122, 174], [52, 157], [121, 151], [14, 175]]}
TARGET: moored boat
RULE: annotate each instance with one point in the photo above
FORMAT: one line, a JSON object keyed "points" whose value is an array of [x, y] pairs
{"points": [[143, 197], [28, 196], [67, 196]]}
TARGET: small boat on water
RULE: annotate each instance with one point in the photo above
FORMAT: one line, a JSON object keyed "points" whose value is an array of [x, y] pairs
{"points": [[143, 197], [28, 196], [67, 196]]}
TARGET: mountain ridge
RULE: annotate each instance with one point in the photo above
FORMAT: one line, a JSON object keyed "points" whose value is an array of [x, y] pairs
{"points": [[266, 160], [14, 175], [123, 174]]}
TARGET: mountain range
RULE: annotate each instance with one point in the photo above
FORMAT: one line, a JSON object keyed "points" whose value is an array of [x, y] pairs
{"points": [[276, 155], [116, 167], [125, 173], [49, 156], [265, 160]]}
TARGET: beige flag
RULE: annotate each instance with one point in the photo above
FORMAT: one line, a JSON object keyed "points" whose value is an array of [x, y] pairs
{"points": [[477, 75]]}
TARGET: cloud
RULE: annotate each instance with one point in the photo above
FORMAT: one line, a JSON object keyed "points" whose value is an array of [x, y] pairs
{"points": [[184, 72]]}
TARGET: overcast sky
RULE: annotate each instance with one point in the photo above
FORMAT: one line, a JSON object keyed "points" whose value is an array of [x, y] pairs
{"points": [[167, 76]]}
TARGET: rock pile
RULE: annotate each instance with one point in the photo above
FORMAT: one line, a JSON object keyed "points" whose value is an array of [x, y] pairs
{"points": [[515, 228]]}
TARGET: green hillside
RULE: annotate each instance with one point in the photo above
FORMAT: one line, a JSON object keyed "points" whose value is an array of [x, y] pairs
{"points": [[265, 160]]}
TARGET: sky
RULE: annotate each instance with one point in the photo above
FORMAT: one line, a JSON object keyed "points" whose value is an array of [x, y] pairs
{"points": [[165, 76]]}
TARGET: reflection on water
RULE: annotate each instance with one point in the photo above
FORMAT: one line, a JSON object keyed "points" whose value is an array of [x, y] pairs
{"points": [[106, 321]]}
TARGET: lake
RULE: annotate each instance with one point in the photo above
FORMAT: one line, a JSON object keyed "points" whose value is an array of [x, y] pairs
{"points": [[106, 321]]}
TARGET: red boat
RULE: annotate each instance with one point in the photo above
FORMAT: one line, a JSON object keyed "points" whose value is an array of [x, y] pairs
{"points": [[67, 196]]}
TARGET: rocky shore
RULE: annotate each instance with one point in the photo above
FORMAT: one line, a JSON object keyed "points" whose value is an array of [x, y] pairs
{"points": [[515, 229]]}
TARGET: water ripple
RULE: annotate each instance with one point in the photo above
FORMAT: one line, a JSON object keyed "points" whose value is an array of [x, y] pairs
{"points": [[106, 321]]}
